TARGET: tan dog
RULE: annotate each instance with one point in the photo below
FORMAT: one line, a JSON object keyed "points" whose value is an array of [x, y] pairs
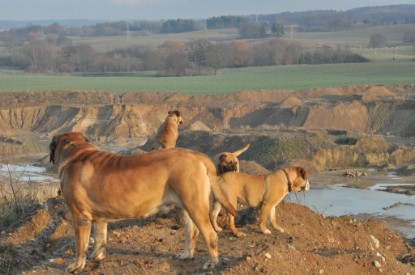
{"points": [[264, 191], [228, 162], [100, 187], [168, 132]]}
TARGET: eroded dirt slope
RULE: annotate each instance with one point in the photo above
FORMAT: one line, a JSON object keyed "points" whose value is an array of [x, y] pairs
{"points": [[367, 109], [313, 244]]}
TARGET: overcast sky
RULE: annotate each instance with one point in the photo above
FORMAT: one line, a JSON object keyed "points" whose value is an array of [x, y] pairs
{"points": [[167, 9]]}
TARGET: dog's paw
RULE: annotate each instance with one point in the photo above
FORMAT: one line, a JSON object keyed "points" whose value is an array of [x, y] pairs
{"points": [[218, 229], [185, 255], [280, 229], [239, 234], [266, 231], [209, 265], [72, 268], [98, 256]]}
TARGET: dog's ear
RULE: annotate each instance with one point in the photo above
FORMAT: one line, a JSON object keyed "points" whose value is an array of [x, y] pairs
{"points": [[52, 148], [222, 157], [85, 138], [302, 172], [169, 112]]}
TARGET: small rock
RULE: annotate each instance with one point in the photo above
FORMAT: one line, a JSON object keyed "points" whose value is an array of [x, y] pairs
{"points": [[376, 264], [267, 255], [43, 205], [375, 241], [321, 271]]}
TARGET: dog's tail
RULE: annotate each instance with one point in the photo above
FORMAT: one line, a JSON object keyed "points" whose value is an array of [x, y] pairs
{"points": [[240, 151], [213, 177], [219, 196]]}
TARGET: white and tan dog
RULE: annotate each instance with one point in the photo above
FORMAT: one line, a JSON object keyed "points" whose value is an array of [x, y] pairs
{"points": [[227, 161], [168, 132], [264, 191], [100, 187]]}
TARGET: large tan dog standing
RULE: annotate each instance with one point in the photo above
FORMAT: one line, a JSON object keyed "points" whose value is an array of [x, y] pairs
{"points": [[264, 191], [228, 161], [168, 132], [100, 187]]}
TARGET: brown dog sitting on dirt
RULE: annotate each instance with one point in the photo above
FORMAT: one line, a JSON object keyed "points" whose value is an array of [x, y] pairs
{"points": [[168, 132], [100, 187], [264, 191], [227, 161]]}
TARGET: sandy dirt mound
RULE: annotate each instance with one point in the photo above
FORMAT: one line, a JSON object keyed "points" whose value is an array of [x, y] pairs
{"points": [[291, 101], [314, 244], [377, 92]]}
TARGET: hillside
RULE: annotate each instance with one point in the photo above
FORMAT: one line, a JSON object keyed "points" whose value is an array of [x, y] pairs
{"points": [[321, 128]]}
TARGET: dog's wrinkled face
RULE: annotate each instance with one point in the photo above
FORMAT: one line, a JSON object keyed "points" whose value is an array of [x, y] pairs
{"points": [[228, 162], [59, 141], [301, 183], [177, 117]]}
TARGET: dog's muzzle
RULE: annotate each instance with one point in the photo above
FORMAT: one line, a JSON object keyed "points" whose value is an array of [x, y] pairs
{"points": [[229, 168], [305, 187]]}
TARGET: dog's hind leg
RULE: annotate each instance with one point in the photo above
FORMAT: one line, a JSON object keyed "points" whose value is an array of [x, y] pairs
{"points": [[82, 228], [100, 237], [199, 212], [200, 216], [191, 234]]}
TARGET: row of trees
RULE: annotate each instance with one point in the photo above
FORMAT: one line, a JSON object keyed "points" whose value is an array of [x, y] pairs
{"points": [[172, 58], [318, 20]]}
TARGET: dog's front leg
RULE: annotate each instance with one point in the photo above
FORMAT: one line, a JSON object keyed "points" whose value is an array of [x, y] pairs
{"points": [[82, 228], [265, 210], [273, 220], [191, 234], [100, 237]]}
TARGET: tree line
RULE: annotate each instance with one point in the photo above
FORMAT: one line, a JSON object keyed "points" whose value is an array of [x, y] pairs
{"points": [[172, 58]]}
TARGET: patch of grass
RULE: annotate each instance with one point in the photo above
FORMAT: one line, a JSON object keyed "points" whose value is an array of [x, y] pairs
{"points": [[387, 53], [12, 211], [296, 77], [272, 153], [7, 253], [357, 37]]}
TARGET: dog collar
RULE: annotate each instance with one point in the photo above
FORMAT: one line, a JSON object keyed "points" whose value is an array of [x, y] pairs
{"points": [[288, 180]]}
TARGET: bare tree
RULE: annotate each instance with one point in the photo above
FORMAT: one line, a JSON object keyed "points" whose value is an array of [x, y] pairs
{"points": [[377, 40], [197, 53], [41, 56], [218, 56]]}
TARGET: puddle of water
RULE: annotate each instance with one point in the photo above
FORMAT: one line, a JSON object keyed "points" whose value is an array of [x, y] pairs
{"points": [[336, 200], [24, 173]]}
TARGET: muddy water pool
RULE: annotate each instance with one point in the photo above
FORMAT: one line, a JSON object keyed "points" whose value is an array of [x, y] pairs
{"points": [[371, 201]]}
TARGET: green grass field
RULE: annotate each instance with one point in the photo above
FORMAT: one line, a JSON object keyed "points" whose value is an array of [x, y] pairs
{"points": [[356, 37], [298, 77]]}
